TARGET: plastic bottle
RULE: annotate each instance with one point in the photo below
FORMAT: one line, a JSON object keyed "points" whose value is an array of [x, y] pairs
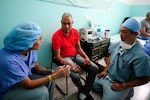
{"points": [[98, 31]]}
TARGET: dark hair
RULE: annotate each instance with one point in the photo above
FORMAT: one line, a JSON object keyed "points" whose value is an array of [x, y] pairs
{"points": [[148, 13], [125, 19]]}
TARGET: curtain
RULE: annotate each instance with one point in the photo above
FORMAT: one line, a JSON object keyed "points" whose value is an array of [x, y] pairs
{"points": [[97, 4]]}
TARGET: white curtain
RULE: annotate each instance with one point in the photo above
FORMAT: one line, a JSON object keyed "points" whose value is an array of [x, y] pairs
{"points": [[98, 4]]}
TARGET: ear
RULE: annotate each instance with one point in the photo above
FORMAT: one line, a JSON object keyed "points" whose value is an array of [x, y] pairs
{"points": [[136, 33]]}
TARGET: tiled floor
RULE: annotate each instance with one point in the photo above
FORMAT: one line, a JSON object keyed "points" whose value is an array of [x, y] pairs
{"points": [[72, 91], [141, 92]]}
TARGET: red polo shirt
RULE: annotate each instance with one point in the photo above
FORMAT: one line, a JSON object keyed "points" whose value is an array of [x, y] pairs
{"points": [[66, 44]]}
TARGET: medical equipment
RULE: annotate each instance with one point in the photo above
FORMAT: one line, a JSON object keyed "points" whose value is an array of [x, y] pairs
{"points": [[86, 33]]}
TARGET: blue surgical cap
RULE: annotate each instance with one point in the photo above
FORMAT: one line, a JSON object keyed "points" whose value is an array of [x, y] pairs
{"points": [[132, 24], [22, 36]]}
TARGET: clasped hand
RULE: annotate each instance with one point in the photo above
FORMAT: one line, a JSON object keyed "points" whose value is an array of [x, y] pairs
{"points": [[76, 68], [62, 71], [115, 86]]}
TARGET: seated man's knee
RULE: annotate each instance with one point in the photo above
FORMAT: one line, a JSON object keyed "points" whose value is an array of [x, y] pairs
{"points": [[75, 76], [94, 68]]}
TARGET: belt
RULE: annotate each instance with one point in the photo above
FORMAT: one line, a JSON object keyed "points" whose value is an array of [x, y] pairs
{"points": [[110, 79]]}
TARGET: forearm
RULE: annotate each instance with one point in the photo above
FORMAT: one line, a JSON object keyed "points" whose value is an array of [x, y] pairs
{"points": [[28, 83], [107, 60], [82, 53], [143, 32], [41, 70], [146, 34], [136, 82]]}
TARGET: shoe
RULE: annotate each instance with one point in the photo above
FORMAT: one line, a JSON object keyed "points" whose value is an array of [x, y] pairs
{"points": [[87, 97], [79, 94], [127, 99]]}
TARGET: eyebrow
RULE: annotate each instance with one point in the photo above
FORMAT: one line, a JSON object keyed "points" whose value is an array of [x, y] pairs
{"points": [[66, 23]]}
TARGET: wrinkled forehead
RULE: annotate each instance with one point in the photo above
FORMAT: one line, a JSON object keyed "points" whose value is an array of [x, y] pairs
{"points": [[67, 19], [123, 28]]}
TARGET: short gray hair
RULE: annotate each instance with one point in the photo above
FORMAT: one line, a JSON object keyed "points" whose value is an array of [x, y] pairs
{"points": [[66, 14]]}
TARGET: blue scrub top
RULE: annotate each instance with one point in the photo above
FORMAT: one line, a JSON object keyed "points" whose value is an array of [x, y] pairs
{"points": [[14, 68], [133, 63]]}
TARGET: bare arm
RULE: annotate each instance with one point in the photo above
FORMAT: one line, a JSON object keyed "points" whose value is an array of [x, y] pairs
{"points": [[60, 72], [59, 58], [143, 31], [107, 60], [80, 50], [82, 53], [28, 83], [104, 72], [41, 70]]}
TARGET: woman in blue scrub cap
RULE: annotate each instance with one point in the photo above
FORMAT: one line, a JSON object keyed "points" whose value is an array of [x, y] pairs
{"points": [[18, 60]]}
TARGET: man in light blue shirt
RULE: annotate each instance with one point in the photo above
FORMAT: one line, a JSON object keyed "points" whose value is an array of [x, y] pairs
{"points": [[145, 27], [127, 66]]}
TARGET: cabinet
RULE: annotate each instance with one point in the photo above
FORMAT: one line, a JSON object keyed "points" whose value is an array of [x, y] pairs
{"points": [[96, 49]]}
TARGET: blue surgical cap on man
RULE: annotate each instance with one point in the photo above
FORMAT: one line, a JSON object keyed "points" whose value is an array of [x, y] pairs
{"points": [[22, 36], [132, 24]]}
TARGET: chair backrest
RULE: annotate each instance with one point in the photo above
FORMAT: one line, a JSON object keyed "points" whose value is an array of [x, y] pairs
{"points": [[54, 60]]}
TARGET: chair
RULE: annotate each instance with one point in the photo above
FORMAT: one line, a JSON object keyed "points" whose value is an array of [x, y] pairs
{"points": [[66, 78]]}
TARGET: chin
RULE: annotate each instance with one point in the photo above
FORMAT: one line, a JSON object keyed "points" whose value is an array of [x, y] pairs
{"points": [[122, 39]]}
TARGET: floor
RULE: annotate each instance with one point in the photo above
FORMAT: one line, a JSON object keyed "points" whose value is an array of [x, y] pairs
{"points": [[141, 92], [72, 91]]}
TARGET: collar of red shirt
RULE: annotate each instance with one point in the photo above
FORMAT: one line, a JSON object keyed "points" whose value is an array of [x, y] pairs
{"points": [[63, 33]]}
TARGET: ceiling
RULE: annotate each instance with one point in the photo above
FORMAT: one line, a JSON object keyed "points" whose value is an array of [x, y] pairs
{"points": [[136, 2]]}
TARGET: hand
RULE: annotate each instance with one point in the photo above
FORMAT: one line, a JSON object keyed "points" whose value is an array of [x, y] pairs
{"points": [[76, 68], [61, 71], [117, 86], [102, 74], [87, 61]]}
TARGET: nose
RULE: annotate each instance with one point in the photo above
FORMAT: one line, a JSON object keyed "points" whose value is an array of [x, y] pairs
{"points": [[41, 41], [121, 34], [66, 25]]}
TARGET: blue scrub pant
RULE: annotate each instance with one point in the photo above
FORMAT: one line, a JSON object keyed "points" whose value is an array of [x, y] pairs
{"points": [[92, 72], [104, 86], [39, 93]]}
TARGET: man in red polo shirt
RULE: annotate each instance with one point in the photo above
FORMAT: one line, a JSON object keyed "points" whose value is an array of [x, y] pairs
{"points": [[68, 51]]}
